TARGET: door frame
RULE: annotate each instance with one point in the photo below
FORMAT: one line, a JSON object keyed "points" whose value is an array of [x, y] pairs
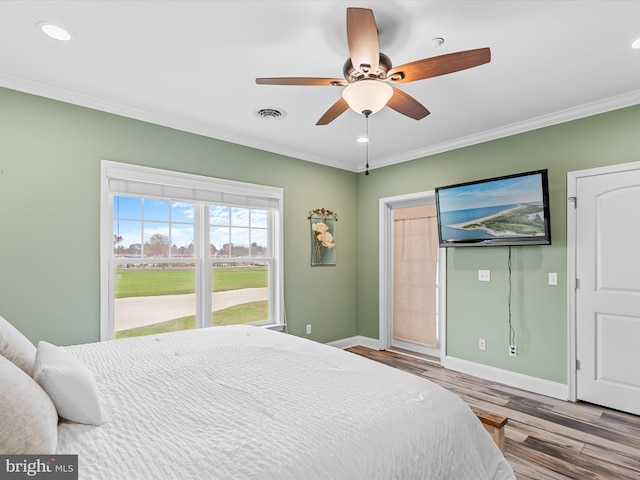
{"points": [[385, 278], [572, 187]]}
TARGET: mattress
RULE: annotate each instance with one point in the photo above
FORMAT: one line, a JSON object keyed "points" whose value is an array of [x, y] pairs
{"points": [[241, 402]]}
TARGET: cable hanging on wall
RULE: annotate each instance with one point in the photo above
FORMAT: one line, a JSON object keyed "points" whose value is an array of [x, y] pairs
{"points": [[512, 332]]}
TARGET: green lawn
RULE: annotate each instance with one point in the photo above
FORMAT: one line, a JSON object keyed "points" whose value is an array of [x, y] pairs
{"points": [[158, 281], [151, 282], [245, 313]]}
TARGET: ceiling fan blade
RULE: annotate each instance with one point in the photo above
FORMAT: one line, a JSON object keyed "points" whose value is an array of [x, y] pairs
{"points": [[334, 112], [362, 36], [314, 82], [407, 105], [440, 65]]}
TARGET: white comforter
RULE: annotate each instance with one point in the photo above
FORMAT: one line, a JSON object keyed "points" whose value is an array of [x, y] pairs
{"points": [[243, 402]]}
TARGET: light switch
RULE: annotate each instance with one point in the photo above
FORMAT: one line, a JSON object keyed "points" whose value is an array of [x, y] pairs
{"points": [[553, 278]]}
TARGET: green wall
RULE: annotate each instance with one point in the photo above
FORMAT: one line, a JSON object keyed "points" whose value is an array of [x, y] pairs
{"points": [[50, 156], [479, 310]]}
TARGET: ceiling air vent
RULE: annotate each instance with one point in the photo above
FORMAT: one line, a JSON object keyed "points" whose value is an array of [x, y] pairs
{"points": [[270, 113]]}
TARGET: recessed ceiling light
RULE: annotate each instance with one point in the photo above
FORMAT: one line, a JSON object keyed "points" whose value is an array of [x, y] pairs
{"points": [[362, 139], [55, 31], [636, 44]]}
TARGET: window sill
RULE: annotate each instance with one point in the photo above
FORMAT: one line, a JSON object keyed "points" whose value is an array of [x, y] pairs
{"points": [[278, 327]]}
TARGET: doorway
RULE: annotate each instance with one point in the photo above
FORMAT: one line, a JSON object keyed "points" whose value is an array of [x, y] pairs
{"points": [[411, 282], [414, 322], [604, 286]]}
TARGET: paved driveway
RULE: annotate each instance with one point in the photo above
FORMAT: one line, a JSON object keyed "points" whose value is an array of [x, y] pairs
{"points": [[135, 312]]}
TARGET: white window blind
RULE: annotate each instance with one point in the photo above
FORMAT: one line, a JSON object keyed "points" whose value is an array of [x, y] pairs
{"points": [[128, 180]]}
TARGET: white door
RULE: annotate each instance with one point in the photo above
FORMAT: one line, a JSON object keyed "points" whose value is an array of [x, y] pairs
{"points": [[608, 289]]}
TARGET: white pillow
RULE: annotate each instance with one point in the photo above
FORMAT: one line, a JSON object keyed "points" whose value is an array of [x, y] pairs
{"points": [[16, 347], [28, 418], [69, 383]]}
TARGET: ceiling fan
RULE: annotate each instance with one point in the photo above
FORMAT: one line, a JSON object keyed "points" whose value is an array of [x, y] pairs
{"points": [[368, 73]]}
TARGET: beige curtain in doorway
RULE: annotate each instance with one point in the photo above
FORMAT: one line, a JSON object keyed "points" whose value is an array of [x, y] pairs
{"points": [[415, 254]]}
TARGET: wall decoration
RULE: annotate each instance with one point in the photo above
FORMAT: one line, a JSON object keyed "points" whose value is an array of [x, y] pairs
{"points": [[323, 242]]}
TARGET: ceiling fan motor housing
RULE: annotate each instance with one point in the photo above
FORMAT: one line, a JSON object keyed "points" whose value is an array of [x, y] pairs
{"points": [[366, 80], [353, 74]]}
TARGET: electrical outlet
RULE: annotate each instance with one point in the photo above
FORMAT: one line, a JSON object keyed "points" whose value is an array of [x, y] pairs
{"points": [[484, 275], [513, 350], [308, 329], [482, 344]]}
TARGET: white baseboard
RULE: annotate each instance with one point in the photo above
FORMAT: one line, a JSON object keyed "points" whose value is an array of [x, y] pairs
{"points": [[506, 377], [355, 341]]}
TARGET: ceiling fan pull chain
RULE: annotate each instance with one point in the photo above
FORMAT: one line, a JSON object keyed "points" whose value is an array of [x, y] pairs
{"points": [[366, 132]]}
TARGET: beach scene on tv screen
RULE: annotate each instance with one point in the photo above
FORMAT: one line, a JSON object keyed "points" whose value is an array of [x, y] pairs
{"points": [[506, 208]]}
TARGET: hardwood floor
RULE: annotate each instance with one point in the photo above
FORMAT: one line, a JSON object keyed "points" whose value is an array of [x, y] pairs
{"points": [[546, 438]]}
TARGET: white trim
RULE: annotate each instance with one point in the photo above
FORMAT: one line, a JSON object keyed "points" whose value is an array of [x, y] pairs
{"points": [[572, 189], [385, 259], [35, 87], [555, 118], [505, 377], [384, 279], [415, 348], [508, 378], [204, 128], [358, 340], [107, 326], [278, 327], [571, 292]]}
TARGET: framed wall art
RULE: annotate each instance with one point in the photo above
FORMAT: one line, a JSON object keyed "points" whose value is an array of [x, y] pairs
{"points": [[322, 224]]}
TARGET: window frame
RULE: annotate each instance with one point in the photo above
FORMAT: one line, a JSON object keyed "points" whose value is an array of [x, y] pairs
{"points": [[205, 191]]}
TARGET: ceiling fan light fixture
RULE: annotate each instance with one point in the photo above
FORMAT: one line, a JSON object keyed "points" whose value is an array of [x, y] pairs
{"points": [[370, 95]]}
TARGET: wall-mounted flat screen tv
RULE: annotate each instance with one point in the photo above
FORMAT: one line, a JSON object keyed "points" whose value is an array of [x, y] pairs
{"points": [[509, 210]]}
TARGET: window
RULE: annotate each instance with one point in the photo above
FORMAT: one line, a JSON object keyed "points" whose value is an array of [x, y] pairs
{"points": [[181, 251]]}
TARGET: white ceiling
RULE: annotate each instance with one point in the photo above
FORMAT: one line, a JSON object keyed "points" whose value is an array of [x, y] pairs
{"points": [[192, 65]]}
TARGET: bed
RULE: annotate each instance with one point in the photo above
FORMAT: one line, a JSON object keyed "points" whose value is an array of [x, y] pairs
{"points": [[243, 402]]}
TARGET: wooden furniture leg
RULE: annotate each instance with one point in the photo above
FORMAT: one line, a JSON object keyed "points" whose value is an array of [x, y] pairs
{"points": [[494, 424]]}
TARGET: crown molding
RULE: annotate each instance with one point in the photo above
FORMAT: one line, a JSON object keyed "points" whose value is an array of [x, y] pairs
{"points": [[563, 116], [84, 100]]}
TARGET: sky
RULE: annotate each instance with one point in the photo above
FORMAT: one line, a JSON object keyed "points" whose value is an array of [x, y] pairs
{"points": [[135, 217], [494, 193]]}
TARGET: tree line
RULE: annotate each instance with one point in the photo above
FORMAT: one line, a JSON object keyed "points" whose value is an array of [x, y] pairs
{"points": [[159, 245]]}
